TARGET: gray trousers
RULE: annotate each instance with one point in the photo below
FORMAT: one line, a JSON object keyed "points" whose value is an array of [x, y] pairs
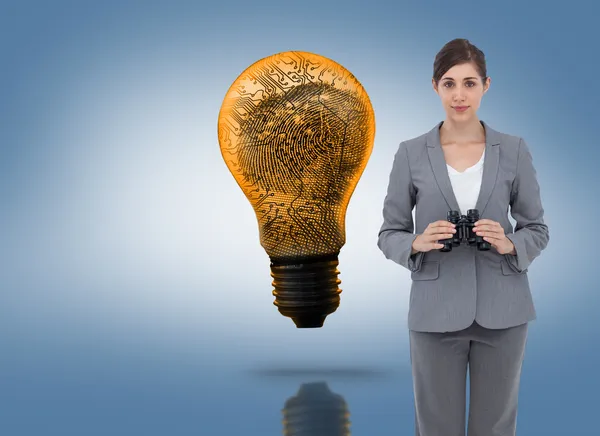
{"points": [[439, 368]]}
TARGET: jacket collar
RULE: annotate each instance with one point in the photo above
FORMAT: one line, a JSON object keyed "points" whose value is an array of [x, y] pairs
{"points": [[490, 166]]}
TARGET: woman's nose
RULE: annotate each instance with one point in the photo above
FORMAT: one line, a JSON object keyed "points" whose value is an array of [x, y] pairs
{"points": [[458, 93]]}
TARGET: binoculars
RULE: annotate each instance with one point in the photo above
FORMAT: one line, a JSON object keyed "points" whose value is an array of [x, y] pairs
{"points": [[464, 231]]}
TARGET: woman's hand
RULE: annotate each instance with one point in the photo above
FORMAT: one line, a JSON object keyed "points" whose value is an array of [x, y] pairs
{"points": [[436, 231], [492, 232]]}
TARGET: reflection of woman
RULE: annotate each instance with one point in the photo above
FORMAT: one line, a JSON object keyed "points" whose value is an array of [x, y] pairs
{"points": [[467, 306]]}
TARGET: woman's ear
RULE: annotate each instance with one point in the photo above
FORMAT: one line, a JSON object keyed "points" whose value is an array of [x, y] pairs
{"points": [[486, 85], [434, 86]]}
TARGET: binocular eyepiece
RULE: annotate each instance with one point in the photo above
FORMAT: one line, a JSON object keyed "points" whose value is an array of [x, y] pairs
{"points": [[464, 231]]}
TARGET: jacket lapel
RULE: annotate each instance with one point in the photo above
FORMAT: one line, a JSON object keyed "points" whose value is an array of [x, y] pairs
{"points": [[440, 171], [490, 167], [438, 164]]}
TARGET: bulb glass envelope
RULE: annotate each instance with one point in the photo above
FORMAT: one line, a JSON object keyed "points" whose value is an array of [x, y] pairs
{"points": [[296, 131]]}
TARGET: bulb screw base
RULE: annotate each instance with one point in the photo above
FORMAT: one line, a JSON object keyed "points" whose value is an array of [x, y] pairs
{"points": [[306, 289]]}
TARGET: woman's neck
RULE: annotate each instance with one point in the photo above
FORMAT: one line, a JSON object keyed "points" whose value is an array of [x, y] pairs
{"points": [[472, 131]]}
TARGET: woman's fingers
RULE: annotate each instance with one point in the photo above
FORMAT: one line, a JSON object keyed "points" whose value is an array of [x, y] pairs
{"points": [[492, 239], [438, 236], [437, 231], [439, 227], [489, 229]]}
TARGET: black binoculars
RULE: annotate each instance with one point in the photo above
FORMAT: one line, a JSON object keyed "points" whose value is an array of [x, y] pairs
{"points": [[464, 231]]}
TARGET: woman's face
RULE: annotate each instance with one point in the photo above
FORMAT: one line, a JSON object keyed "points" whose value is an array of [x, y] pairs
{"points": [[461, 90]]}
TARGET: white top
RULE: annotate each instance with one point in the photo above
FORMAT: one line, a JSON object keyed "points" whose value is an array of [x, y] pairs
{"points": [[466, 184]]}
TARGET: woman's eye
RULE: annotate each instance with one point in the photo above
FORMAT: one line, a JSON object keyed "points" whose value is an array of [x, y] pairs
{"points": [[448, 84], [470, 84]]}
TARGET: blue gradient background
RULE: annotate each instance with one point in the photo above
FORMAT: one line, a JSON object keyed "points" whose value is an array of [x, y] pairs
{"points": [[135, 297]]}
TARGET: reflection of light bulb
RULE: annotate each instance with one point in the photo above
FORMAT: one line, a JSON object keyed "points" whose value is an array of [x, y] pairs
{"points": [[316, 411], [296, 131]]}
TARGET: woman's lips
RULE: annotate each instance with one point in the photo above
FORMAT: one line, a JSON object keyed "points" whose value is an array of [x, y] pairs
{"points": [[460, 108]]}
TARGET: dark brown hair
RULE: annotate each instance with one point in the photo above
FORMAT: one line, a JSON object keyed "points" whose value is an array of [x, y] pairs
{"points": [[458, 51]]}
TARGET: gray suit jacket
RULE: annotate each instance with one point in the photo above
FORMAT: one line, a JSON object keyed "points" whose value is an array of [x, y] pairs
{"points": [[451, 290]]}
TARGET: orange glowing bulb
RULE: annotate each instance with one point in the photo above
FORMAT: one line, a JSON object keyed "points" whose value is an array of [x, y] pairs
{"points": [[296, 131]]}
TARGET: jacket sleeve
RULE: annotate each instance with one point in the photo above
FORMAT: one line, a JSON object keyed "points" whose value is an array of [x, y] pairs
{"points": [[396, 234], [531, 235]]}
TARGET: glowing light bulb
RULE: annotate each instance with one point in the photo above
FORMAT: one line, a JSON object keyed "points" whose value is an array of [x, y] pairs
{"points": [[296, 131], [316, 411]]}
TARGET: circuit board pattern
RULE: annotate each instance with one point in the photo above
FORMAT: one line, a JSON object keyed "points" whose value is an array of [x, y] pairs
{"points": [[296, 131]]}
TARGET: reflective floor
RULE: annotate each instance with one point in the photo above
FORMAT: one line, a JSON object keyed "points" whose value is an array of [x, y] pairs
{"points": [[62, 377]]}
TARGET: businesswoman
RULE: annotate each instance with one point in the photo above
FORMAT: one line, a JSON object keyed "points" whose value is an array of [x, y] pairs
{"points": [[468, 308]]}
